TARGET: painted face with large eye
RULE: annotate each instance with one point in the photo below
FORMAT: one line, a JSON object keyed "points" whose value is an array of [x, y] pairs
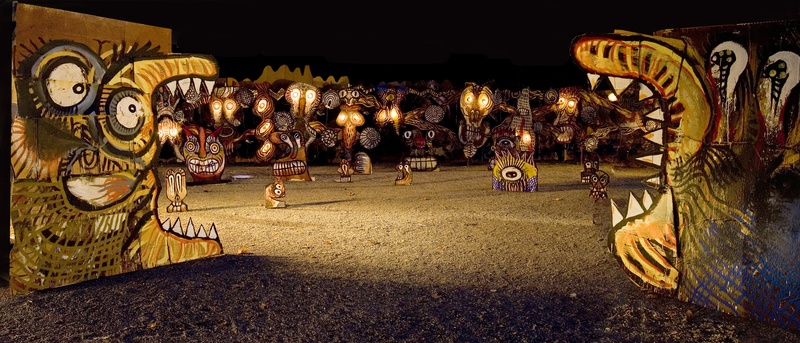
{"points": [[599, 183], [125, 111], [304, 99], [476, 103], [204, 154], [567, 106], [67, 81], [514, 171], [506, 142]]}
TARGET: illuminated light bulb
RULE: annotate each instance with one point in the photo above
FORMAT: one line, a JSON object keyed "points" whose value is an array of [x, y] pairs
{"points": [[526, 138], [341, 119], [394, 114], [382, 115], [612, 97], [295, 94], [571, 103]]}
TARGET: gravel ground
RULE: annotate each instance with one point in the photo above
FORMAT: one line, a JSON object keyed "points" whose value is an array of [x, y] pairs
{"points": [[446, 259]]}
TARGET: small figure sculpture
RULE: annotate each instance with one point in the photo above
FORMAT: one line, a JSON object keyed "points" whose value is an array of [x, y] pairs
{"points": [[273, 192], [599, 183], [176, 190], [404, 176], [363, 164], [345, 171]]}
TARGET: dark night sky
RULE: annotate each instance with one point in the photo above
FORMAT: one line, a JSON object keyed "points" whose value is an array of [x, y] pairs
{"points": [[522, 41]]}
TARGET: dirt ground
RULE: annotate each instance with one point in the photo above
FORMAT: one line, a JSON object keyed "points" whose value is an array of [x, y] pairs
{"points": [[446, 259]]}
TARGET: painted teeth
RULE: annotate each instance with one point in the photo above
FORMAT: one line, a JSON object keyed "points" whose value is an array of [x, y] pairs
{"points": [[619, 83], [288, 168], [190, 231], [203, 166], [635, 208], [422, 163], [184, 86]]}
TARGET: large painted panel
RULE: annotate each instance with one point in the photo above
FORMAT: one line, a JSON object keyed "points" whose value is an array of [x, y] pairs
{"points": [[84, 147], [721, 229]]}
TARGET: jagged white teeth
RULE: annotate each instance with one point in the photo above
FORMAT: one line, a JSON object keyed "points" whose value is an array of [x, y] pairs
{"points": [[616, 216], [619, 83], [209, 86], [190, 229], [656, 136], [184, 84], [634, 207], [177, 228], [592, 79], [212, 233], [652, 159], [654, 181], [656, 114], [647, 201], [644, 91], [171, 86]]}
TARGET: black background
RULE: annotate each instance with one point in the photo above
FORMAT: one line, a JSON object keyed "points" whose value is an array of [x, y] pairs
{"points": [[514, 43]]}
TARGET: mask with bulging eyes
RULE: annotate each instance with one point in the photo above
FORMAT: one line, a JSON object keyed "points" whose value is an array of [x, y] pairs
{"points": [[599, 183]]}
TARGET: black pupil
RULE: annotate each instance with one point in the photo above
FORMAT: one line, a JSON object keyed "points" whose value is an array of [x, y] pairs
{"points": [[132, 108], [78, 88]]}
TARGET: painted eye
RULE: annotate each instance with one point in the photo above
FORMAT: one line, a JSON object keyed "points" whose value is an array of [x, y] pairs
{"points": [[214, 148], [506, 143], [587, 165], [431, 134], [357, 119], [341, 119], [310, 96], [382, 116], [190, 145], [296, 135], [407, 135], [216, 105], [483, 99], [511, 173], [468, 98], [278, 190], [67, 84], [230, 105], [125, 111], [263, 106], [295, 94]]}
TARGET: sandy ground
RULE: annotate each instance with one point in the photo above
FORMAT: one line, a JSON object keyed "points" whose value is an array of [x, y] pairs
{"points": [[446, 259]]}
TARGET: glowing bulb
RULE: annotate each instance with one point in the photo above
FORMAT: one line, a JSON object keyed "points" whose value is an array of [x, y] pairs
{"points": [[526, 138], [394, 114], [612, 97]]}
